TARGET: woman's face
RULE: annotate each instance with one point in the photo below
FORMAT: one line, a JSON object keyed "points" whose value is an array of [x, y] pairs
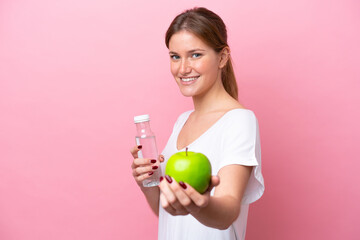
{"points": [[194, 65]]}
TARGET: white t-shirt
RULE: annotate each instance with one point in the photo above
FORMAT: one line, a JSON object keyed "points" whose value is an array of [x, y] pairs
{"points": [[233, 139]]}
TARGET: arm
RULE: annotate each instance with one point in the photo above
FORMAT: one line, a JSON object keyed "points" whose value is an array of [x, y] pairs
{"points": [[142, 168], [217, 211], [227, 198]]}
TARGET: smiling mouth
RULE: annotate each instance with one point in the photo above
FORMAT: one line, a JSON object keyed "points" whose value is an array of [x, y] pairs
{"points": [[188, 79]]}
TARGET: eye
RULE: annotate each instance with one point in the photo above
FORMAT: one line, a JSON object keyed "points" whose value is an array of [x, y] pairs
{"points": [[174, 57], [196, 55]]}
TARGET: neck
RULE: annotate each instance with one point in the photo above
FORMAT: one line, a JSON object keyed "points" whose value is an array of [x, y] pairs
{"points": [[213, 99]]}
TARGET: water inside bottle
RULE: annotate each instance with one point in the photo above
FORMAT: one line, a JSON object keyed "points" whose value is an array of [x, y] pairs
{"points": [[149, 150]]}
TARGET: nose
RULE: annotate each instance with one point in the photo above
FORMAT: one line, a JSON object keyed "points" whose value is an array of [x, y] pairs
{"points": [[185, 67]]}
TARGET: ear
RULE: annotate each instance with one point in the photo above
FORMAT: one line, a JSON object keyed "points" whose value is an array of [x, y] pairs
{"points": [[224, 56]]}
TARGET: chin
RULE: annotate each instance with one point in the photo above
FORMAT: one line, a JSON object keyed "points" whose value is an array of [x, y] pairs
{"points": [[188, 93]]}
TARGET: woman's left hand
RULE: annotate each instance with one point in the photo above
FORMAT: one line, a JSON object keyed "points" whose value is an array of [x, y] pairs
{"points": [[182, 199]]}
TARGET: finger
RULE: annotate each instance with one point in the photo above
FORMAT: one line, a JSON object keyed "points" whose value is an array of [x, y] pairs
{"points": [[181, 194], [144, 162], [134, 151], [200, 200], [144, 169], [161, 158], [140, 170], [170, 196], [215, 181], [143, 176], [166, 205]]}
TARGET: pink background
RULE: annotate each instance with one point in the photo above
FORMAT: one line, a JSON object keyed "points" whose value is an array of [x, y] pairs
{"points": [[74, 73]]}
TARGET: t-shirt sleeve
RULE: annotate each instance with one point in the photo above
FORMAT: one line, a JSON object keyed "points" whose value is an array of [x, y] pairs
{"points": [[241, 145]]}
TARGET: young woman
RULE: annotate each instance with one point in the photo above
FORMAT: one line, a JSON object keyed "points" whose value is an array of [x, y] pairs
{"points": [[219, 127]]}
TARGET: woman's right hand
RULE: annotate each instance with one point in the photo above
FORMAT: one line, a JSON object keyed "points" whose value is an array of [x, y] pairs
{"points": [[143, 168]]}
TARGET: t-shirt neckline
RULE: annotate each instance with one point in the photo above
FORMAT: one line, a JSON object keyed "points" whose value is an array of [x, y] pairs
{"points": [[205, 133]]}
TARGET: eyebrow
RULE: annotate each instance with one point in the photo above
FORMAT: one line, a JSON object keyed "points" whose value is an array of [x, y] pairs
{"points": [[191, 51]]}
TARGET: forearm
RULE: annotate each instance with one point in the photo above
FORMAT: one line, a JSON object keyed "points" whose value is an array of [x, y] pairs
{"points": [[152, 195], [220, 213]]}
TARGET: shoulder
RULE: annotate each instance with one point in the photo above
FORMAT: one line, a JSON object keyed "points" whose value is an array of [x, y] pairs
{"points": [[240, 123], [241, 116]]}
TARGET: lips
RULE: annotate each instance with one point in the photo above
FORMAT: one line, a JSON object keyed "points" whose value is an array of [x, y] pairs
{"points": [[188, 80]]}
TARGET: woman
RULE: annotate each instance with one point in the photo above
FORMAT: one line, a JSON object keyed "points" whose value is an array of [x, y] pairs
{"points": [[219, 127]]}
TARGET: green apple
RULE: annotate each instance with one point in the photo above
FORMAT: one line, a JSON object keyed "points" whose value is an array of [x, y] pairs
{"points": [[190, 167]]}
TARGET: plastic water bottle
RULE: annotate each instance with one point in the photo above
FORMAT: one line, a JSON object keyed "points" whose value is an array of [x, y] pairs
{"points": [[146, 138]]}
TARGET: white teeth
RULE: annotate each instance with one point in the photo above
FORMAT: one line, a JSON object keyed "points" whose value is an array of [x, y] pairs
{"points": [[188, 79]]}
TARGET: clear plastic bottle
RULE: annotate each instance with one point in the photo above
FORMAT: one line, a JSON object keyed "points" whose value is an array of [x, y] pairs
{"points": [[146, 138]]}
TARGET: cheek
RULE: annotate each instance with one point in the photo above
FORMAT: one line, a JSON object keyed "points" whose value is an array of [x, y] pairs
{"points": [[204, 67], [173, 68]]}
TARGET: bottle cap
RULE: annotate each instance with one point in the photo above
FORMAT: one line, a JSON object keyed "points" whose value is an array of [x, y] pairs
{"points": [[142, 118]]}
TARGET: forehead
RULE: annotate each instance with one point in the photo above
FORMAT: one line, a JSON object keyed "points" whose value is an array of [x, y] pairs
{"points": [[185, 41]]}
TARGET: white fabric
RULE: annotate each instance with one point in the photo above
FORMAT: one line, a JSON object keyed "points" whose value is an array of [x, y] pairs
{"points": [[233, 139]]}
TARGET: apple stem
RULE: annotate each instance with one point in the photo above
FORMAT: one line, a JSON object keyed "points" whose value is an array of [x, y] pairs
{"points": [[186, 150]]}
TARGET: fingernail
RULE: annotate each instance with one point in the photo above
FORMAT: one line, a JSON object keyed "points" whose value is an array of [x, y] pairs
{"points": [[139, 147], [153, 161], [154, 167], [161, 178], [182, 184], [151, 173], [168, 178]]}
